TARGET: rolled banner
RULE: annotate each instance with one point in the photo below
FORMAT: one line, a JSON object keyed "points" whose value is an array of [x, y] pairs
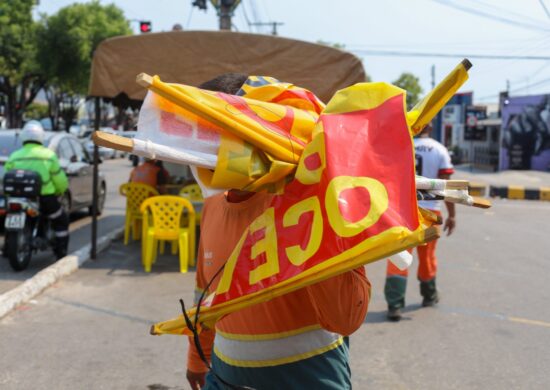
{"points": [[402, 260], [424, 183], [426, 109]]}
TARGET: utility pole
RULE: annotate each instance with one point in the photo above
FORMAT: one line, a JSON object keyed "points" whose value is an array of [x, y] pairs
{"points": [[273, 24], [508, 86], [433, 77], [225, 12]]}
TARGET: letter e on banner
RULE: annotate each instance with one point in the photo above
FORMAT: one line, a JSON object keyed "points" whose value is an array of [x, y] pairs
{"points": [[267, 245]]}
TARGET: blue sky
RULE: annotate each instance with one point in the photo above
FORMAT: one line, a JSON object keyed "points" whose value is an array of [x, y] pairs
{"points": [[500, 27]]}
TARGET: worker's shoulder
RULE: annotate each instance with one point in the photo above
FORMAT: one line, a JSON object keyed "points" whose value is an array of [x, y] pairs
{"points": [[430, 143]]}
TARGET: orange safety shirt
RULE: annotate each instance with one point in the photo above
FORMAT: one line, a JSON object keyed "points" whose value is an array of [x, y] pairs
{"points": [[150, 174], [286, 329]]}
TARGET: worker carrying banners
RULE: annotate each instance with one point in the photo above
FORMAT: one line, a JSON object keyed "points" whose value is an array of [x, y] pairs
{"points": [[342, 178]]}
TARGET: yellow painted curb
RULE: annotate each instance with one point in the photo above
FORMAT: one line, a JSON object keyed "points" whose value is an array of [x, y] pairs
{"points": [[545, 193], [516, 192]]}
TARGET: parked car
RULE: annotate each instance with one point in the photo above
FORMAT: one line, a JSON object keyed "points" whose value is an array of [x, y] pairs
{"points": [[73, 159], [104, 153], [132, 157]]}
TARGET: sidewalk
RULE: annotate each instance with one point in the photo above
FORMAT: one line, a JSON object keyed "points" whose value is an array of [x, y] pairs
{"points": [[533, 185], [91, 329]]}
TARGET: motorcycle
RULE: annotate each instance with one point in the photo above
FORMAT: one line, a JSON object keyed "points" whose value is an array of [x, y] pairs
{"points": [[27, 231]]}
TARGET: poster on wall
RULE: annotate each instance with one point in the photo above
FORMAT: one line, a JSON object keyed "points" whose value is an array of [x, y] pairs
{"points": [[526, 133], [473, 132]]}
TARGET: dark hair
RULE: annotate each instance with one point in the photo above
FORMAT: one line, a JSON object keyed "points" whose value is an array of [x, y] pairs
{"points": [[226, 83]]}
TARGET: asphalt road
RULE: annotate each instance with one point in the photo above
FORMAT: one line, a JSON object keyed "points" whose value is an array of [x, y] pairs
{"points": [[490, 331], [116, 173]]}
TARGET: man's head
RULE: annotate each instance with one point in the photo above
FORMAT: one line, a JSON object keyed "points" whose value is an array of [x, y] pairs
{"points": [[32, 132], [425, 132], [227, 83]]}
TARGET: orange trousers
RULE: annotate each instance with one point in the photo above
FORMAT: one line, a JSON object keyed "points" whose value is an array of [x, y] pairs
{"points": [[427, 264], [396, 280]]}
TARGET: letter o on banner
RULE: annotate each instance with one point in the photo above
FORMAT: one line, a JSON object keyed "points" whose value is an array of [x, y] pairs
{"points": [[378, 204]]}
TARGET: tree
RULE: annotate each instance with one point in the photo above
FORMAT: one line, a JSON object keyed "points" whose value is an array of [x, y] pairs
{"points": [[410, 83], [20, 75], [73, 34]]}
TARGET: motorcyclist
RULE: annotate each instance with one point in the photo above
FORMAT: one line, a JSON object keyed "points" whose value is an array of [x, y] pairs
{"points": [[33, 156]]}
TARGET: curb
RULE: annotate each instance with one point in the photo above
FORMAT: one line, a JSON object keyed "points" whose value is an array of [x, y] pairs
{"points": [[477, 189], [50, 275], [520, 192], [509, 191]]}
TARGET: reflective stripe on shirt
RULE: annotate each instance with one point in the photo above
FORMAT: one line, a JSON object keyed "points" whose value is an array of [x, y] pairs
{"points": [[261, 352]]}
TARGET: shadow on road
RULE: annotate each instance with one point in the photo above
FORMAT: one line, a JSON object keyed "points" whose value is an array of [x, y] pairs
{"points": [[125, 261], [378, 317]]}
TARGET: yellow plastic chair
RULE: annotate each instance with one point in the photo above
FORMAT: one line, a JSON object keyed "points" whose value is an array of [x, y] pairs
{"points": [[193, 192], [135, 194], [162, 216]]}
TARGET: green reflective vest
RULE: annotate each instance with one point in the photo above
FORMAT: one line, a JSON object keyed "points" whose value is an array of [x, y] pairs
{"points": [[37, 158]]}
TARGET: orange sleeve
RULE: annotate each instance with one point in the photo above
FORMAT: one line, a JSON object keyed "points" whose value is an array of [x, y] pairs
{"points": [[341, 302], [206, 337], [194, 362]]}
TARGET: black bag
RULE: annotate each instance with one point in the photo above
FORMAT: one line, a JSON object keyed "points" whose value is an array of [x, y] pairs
{"points": [[23, 183]]}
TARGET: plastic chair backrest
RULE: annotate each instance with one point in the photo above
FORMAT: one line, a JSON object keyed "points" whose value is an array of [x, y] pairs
{"points": [[192, 191], [135, 194], [166, 211]]}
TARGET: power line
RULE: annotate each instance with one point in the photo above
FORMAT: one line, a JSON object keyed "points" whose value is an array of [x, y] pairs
{"points": [[391, 53], [492, 8], [538, 83], [245, 14], [493, 17], [536, 72], [545, 9], [189, 19]]}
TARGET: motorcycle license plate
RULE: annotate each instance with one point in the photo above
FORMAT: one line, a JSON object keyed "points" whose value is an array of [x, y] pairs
{"points": [[15, 221]]}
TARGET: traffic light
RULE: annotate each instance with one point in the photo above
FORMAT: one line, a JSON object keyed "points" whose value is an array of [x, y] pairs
{"points": [[145, 26]]}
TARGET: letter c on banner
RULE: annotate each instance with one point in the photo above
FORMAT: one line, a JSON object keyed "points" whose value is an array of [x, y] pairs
{"points": [[295, 254], [378, 204]]}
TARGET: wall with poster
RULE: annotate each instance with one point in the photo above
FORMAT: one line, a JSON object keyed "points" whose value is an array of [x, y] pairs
{"points": [[526, 133]]}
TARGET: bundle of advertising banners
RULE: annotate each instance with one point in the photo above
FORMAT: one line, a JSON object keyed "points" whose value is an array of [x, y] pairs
{"points": [[342, 177]]}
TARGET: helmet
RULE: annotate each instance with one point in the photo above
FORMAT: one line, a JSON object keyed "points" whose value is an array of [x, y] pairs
{"points": [[32, 132]]}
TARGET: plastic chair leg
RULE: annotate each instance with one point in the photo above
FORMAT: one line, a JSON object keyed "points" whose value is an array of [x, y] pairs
{"points": [[127, 227], [155, 251], [136, 229], [174, 247], [161, 249], [143, 241], [148, 250], [184, 251]]}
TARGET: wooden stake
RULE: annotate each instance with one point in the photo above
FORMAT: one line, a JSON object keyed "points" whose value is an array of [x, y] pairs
{"points": [[144, 80], [456, 184], [481, 202], [113, 141]]}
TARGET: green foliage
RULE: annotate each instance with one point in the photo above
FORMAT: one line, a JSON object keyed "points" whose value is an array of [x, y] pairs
{"points": [[68, 39], [36, 111], [335, 45], [17, 40], [410, 83]]}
